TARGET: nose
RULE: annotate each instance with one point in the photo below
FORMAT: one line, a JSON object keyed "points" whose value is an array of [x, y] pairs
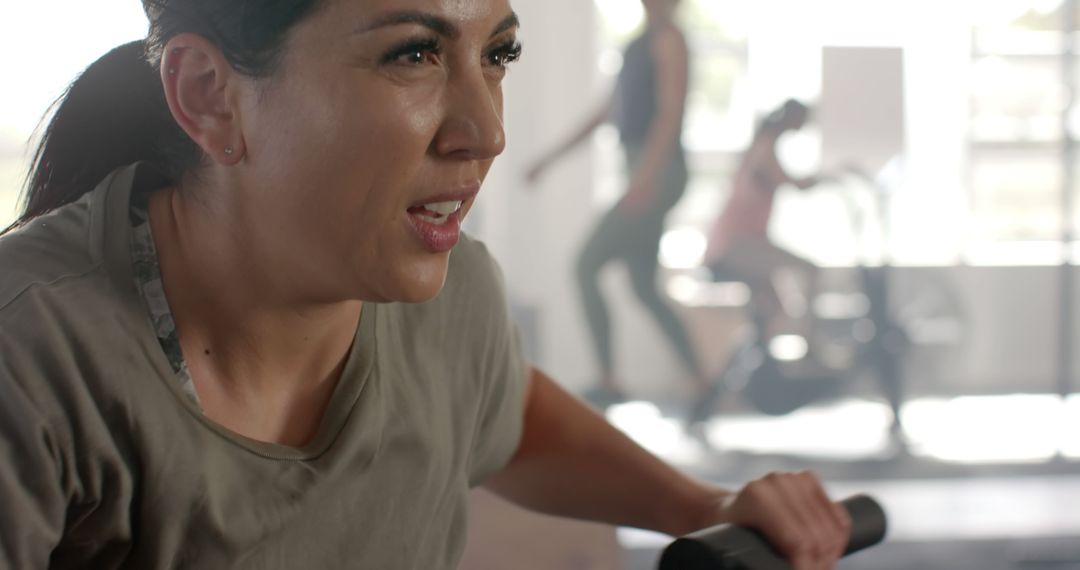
{"points": [[472, 128]]}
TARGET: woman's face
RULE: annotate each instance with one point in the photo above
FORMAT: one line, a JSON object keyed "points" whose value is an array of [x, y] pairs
{"points": [[368, 144]]}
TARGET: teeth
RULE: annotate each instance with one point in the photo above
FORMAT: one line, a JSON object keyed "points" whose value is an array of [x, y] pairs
{"points": [[443, 208], [437, 212], [436, 221]]}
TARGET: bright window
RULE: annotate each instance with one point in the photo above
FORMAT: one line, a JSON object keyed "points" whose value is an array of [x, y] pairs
{"points": [[45, 44], [982, 170]]}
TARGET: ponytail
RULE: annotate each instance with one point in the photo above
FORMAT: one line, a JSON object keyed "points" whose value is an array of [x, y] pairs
{"points": [[112, 115], [115, 113]]}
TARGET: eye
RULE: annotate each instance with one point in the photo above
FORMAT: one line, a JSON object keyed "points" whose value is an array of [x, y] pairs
{"points": [[414, 52], [503, 54]]}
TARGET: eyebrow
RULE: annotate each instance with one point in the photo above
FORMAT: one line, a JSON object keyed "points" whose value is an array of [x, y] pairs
{"points": [[507, 23], [437, 24]]}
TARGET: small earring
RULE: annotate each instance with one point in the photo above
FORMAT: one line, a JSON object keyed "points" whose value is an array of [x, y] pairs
{"points": [[172, 71], [229, 150]]}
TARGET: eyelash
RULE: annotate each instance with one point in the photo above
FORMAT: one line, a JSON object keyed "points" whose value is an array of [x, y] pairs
{"points": [[500, 56], [417, 46], [508, 52]]}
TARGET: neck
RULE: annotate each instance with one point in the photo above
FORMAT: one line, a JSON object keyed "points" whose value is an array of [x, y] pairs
{"points": [[241, 331]]}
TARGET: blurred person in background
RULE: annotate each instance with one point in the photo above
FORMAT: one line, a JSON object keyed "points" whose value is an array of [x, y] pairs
{"points": [[647, 107], [739, 246]]}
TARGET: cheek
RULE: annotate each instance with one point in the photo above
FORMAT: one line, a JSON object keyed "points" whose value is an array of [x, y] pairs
{"points": [[370, 168], [419, 119], [327, 125], [385, 133], [337, 169], [341, 149]]}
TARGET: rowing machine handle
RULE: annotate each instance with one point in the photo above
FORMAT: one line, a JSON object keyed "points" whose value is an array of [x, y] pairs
{"points": [[731, 547]]}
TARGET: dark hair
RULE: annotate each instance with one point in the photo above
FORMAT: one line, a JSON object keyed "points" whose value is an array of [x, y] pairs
{"points": [[780, 117], [114, 113]]}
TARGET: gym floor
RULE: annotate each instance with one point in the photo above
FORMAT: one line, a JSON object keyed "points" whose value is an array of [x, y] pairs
{"points": [[993, 489]]}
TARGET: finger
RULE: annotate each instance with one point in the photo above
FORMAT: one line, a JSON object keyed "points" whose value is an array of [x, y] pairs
{"points": [[830, 522], [772, 512], [837, 519], [814, 547]]}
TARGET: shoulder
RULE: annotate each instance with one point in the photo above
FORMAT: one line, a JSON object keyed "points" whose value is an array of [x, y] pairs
{"points": [[58, 301], [68, 242], [47, 251], [60, 330]]}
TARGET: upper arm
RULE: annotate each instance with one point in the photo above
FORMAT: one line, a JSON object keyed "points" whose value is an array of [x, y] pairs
{"points": [[503, 369], [32, 518]]}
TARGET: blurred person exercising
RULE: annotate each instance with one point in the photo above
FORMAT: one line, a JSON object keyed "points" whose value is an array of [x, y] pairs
{"points": [[647, 106], [739, 246]]}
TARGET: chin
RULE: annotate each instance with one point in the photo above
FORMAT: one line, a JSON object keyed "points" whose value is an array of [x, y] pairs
{"points": [[419, 295], [422, 284]]}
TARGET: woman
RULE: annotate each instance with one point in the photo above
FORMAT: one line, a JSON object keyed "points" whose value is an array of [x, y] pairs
{"points": [[647, 107], [739, 245], [232, 334]]}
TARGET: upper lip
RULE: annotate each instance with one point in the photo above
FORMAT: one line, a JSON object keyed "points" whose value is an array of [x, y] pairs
{"points": [[459, 193]]}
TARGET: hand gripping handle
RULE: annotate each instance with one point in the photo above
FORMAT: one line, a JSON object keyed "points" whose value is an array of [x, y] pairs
{"points": [[731, 547]]}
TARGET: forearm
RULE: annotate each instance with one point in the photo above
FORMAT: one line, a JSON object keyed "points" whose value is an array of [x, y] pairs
{"points": [[572, 463]]}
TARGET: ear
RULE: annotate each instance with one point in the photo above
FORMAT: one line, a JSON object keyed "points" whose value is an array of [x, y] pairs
{"points": [[202, 90]]}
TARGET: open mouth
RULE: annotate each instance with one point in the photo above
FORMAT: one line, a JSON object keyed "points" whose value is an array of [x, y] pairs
{"points": [[437, 213]]}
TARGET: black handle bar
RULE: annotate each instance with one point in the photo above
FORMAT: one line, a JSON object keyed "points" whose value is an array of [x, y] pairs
{"points": [[731, 547]]}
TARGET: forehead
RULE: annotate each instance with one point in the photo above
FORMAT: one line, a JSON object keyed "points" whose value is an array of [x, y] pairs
{"points": [[460, 12]]}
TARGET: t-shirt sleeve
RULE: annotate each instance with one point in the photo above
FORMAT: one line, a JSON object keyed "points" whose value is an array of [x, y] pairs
{"points": [[32, 516], [503, 379]]}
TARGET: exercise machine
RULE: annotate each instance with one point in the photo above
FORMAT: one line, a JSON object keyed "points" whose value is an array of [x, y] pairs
{"points": [[731, 547]]}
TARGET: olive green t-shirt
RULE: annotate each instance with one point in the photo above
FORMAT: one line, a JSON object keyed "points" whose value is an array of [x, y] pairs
{"points": [[106, 463]]}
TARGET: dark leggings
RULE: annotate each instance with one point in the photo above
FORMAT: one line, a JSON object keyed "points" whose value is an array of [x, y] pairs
{"points": [[634, 240]]}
